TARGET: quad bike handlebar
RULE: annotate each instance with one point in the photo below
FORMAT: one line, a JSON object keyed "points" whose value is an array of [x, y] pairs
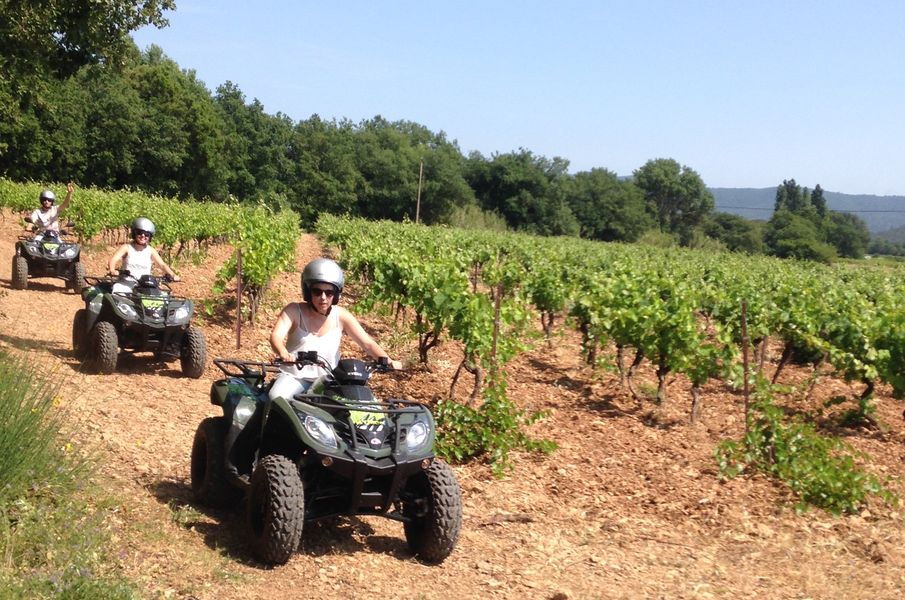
{"points": [[62, 235], [125, 274], [251, 368], [110, 278], [311, 357]]}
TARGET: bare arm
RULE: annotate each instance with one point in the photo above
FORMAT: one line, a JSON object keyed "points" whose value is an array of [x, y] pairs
{"points": [[117, 259], [362, 338], [68, 199], [159, 262], [279, 333]]}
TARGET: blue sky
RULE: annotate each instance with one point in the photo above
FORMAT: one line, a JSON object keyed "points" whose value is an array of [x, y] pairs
{"points": [[745, 93]]}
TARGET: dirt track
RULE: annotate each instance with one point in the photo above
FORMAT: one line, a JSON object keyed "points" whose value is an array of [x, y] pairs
{"points": [[628, 507]]}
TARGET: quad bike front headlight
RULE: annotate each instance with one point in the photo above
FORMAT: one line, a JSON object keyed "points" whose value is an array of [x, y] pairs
{"points": [[417, 436], [127, 311], [70, 252], [320, 431], [181, 315]]}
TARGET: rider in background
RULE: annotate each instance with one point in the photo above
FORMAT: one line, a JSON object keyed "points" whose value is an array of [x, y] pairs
{"points": [[316, 323], [47, 217], [137, 257]]}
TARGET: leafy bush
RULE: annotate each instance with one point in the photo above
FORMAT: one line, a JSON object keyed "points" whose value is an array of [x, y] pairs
{"points": [[820, 470], [494, 429]]}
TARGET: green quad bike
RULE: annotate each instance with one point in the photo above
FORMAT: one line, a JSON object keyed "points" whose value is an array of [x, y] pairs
{"points": [[334, 450], [47, 255], [148, 319]]}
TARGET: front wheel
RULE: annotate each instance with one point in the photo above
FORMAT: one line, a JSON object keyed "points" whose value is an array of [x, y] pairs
{"points": [[194, 353], [276, 509], [209, 483], [104, 347], [77, 277], [433, 505], [20, 272]]}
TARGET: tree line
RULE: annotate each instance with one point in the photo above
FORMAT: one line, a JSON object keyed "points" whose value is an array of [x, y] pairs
{"points": [[78, 100]]}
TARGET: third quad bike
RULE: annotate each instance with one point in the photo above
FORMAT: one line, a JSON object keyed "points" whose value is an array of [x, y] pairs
{"points": [[147, 319], [334, 450], [47, 255]]}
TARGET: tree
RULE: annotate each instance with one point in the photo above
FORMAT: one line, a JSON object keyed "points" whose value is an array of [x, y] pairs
{"points": [[181, 131], [789, 235], [606, 208], [818, 201], [848, 233], [887, 247], [525, 189], [325, 172], [792, 197], [61, 36], [260, 148], [736, 233], [388, 161], [676, 195], [112, 127]]}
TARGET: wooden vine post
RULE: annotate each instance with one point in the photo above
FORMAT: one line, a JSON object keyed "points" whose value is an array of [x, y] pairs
{"points": [[238, 298], [745, 365]]}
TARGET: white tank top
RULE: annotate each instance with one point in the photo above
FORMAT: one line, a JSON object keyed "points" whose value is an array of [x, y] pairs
{"points": [[137, 262], [46, 220], [301, 339]]}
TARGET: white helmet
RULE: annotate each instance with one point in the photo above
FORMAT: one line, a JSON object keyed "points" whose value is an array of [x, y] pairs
{"points": [[143, 224], [322, 270]]}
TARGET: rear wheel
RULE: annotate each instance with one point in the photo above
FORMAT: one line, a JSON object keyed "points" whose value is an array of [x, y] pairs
{"points": [[104, 347], [79, 335], [77, 277], [209, 483], [276, 509], [194, 353], [20, 272], [435, 512]]}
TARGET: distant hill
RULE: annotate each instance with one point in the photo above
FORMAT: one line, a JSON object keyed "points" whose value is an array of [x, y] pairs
{"points": [[881, 213], [896, 234]]}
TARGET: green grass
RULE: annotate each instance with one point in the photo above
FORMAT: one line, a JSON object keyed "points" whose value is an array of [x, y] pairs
{"points": [[54, 537]]}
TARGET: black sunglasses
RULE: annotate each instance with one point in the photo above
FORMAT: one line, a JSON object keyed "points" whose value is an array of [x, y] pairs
{"points": [[328, 292], [139, 232]]}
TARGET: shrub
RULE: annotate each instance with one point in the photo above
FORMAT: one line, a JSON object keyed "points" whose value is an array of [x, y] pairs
{"points": [[492, 430], [53, 537], [821, 471]]}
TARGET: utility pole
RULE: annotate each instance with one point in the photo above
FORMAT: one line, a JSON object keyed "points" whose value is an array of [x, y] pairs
{"points": [[418, 201]]}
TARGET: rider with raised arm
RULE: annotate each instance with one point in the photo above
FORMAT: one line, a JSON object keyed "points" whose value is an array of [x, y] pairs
{"points": [[47, 217], [137, 257], [316, 324]]}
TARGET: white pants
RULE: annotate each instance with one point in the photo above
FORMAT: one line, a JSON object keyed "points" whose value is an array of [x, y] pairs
{"points": [[123, 287], [127, 286], [287, 386]]}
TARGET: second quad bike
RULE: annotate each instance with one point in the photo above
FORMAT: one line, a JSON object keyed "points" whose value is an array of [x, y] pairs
{"points": [[333, 450], [147, 319], [47, 255]]}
